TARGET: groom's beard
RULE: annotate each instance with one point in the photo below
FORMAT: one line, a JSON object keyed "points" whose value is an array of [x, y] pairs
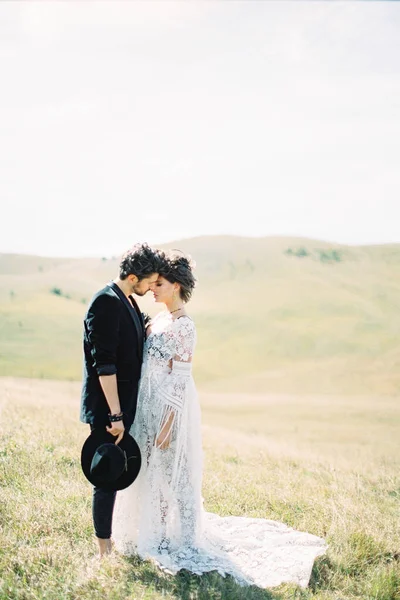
{"points": [[139, 292]]}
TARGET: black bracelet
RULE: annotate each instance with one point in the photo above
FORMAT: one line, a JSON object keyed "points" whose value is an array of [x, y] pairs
{"points": [[115, 418]]}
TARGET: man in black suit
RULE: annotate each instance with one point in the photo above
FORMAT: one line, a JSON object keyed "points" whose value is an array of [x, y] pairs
{"points": [[113, 352]]}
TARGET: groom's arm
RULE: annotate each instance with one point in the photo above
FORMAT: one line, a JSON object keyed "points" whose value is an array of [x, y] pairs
{"points": [[103, 323], [110, 389], [109, 386]]}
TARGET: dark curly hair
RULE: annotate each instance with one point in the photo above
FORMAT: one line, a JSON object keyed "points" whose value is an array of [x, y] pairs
{"points": [[179, 269], [142, 261]]}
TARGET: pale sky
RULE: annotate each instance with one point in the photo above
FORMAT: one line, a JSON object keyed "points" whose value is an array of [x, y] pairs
{"points": [[161, 120]]}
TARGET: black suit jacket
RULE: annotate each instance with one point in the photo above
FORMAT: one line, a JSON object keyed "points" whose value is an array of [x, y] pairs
{"points": [[113, 340]]}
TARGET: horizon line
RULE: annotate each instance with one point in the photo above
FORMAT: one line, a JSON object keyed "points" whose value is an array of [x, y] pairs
{"points": [[198, 237]]}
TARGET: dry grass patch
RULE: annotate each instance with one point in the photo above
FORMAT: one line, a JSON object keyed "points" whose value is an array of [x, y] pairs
{"points": [[276, 459]]}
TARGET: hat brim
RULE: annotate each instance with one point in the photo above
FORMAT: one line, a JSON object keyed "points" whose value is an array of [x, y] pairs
{"points": [[127, 444]]}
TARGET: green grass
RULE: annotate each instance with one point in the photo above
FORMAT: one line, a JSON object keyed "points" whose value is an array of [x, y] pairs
{"points": [[266, 320], [325, 465]]}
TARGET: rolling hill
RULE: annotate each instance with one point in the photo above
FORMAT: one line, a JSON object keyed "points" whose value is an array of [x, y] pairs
{"points": [[273, 314]]}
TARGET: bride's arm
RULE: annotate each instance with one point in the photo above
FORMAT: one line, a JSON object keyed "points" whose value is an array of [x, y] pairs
{"points": [[164, 435], [174, 388]]}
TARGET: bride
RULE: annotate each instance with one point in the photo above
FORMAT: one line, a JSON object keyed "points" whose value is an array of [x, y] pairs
{"points": [[160, 516]]}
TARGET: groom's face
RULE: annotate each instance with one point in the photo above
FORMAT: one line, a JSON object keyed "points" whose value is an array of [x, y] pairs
{"points": [[140, 288]]}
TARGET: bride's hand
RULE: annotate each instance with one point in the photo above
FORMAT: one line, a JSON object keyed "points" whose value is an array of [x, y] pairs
{"points": [[163, 440]]}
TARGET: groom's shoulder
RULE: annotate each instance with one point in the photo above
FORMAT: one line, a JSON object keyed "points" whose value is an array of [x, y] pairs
{"points": [[105, 296], [105, 291]]}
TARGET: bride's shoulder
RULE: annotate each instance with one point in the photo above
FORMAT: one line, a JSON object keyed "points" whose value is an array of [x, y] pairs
{"points": [[184, 323], [184, 319]]}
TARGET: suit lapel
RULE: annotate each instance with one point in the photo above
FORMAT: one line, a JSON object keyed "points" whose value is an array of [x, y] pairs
{"points": [[133, 311], [138, 312]]}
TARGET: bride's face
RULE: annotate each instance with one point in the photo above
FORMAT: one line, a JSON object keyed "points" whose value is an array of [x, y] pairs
{"points": [[164, 291]]}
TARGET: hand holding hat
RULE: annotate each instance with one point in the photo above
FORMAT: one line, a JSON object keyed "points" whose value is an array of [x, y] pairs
{"points": [[108, 465]]}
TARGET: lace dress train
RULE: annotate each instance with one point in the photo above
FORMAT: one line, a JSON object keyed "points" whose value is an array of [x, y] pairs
{"points": [[160, 516]]}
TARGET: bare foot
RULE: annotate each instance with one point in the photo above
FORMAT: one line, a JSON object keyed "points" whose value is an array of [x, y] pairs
{"points": [[104, 547]]}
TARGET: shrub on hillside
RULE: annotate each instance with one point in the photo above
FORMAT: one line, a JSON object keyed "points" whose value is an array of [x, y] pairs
{"points": [[329, 255], [326, 256], [300, 252], [57, 292]]}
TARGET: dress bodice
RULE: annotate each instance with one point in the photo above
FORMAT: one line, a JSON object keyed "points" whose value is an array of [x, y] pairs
{"points": [[170, 340]]}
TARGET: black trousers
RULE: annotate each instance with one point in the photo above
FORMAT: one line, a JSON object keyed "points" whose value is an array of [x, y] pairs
{"points": [[103, 503], [104, 500], [102, 510]]}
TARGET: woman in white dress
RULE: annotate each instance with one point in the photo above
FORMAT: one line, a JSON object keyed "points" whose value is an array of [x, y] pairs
{"points": [[160, 516]]}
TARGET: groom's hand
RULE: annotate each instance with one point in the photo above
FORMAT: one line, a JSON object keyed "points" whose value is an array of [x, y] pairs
{"points": [[117, 428]]}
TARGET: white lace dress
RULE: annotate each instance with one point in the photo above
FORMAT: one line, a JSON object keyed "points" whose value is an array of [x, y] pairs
{"points": [[160, 516]]}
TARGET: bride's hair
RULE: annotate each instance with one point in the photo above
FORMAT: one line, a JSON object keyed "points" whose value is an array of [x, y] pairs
{"points": [[179, 269]]}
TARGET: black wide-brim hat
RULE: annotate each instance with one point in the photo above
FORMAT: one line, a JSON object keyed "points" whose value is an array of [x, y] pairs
{"points": [[108, 465]]}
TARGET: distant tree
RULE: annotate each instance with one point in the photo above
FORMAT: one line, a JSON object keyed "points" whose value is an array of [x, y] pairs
{"points": [[329, 255], [40, 268], [301, 252], [56, 291], [104, 259], [83, 300], [12, 294]]}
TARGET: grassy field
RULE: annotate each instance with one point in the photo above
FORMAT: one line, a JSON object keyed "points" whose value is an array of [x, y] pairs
{"points": [[325, 464], [273, 315]]}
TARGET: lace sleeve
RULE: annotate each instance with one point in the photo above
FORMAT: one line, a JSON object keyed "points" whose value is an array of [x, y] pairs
{"points": [[174, 387]]}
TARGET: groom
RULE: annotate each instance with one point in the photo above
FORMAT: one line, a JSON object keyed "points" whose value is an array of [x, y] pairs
{"points": [[113, 352]]}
